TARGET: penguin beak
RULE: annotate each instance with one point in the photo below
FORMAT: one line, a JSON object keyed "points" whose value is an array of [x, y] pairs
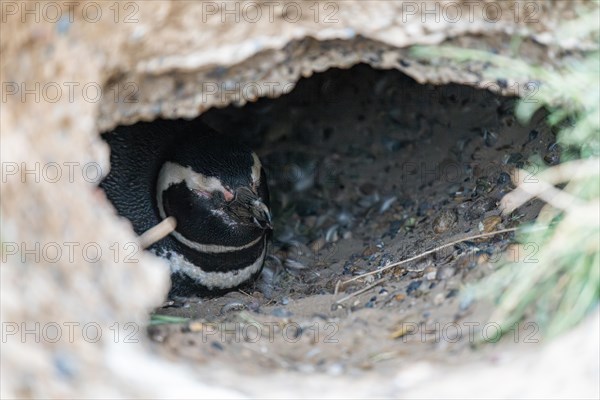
{"points": [[250, 208], [261, 216]]}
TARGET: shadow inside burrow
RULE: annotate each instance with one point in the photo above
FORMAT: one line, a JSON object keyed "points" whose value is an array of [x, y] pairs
{"points": [[366, 167]]}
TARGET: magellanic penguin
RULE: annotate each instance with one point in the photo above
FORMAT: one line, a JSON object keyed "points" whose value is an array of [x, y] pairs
{"points": [[216, 190]]}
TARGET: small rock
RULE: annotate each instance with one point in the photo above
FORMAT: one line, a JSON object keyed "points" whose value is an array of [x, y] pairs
{"points": [[394, 228], [387, 203], [489, 224], [445, 220], [368, 201], [445, 273], [513, 158], [480, 207], [430, 273], [335, 369], [420, 266], [490, 138], [367, 188], [281, 312], [414, 285], [234, 305], [317, 245], [438, 299], [332, 234], [216, 345], [503, 178], [370, 250], [466, 301], [533, 134], [552, 156]]}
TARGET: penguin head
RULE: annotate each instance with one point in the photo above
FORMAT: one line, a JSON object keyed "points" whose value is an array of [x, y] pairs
{"points": [[216, 189]]}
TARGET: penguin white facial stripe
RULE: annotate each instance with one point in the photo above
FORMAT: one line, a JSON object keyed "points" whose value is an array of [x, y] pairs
{"points": [[212, 248], [171, 174], [256, 168], [219, 280]]}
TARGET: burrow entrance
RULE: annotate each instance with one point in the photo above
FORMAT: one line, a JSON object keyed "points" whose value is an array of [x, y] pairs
{"points": [[366, 167]]}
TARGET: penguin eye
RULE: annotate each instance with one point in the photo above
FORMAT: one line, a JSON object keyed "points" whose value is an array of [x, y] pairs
{"points": [[217, 194], [228, 195]]}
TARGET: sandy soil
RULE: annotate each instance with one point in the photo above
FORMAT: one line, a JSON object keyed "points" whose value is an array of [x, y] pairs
{"points": [[366, 168]]}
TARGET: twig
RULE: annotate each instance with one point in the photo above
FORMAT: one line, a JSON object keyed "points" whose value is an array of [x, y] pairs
{"points": [[429, 252], [245, 293], [157, 232], [361, 291]]}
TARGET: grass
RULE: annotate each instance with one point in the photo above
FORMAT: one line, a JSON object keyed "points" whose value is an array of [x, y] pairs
{"points": [[560, 285]]}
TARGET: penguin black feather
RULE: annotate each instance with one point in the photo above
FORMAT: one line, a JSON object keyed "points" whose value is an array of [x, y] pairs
{"points": [[214, 187]]}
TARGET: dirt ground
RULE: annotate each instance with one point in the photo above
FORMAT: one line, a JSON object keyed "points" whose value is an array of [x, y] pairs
{"points": [[366, 168]]}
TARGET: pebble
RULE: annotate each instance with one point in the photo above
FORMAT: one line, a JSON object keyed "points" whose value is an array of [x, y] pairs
{"points": [[345, 218], [332, 234], [513, 158], [423, 208], [394, 228], [445, 273], [445, 220], [420, 266], [371, 302], [368, 201], [490, 138], [387, 203], [438, 299], [281, 312], [489, 224], [466, 301], [216, 345], [503, 178], [370, 250], [64, 365], [533, 134], [335, 369], [367, 188], [291, 264], [317, 245], [414, 285], [552, 156], [195, 326], [480, 207], [430, 273], [399, 297], [234, 305]]}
